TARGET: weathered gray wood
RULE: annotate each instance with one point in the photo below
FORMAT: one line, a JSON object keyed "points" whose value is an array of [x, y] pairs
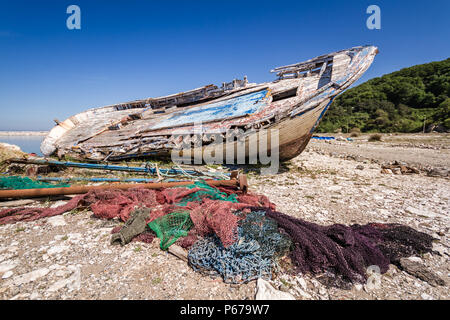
{"points": [[178, 252]]}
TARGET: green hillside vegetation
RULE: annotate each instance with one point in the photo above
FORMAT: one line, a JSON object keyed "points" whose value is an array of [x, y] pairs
{"points": [[396, 102]]}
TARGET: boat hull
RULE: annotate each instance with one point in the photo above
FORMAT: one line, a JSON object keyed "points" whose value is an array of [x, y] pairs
{"points": [[239, 122], [292, 136]]}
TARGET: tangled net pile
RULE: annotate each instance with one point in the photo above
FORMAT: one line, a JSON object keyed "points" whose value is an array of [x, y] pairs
{"points": [[349, 250], [252, 256], [17, 182], [240, 236]]}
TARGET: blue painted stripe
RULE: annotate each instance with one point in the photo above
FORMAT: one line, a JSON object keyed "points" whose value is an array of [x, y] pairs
{"points": [[238, 106]]}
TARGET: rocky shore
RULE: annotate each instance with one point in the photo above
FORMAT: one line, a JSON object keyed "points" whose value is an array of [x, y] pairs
{"points": [[340, 181]]}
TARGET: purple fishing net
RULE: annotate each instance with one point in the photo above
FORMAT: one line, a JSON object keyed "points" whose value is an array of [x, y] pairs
{"points": [[347, 251]]}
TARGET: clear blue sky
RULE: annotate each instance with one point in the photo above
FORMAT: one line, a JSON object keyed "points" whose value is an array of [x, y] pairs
{"points": [[129, 50]]}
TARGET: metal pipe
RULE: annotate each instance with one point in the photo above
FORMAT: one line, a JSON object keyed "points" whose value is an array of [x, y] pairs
{"points": [[105, 166], [31, 193], [100, 179]]}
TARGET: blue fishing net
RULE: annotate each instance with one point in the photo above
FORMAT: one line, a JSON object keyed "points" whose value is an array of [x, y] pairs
{"points": [[252, 256]]}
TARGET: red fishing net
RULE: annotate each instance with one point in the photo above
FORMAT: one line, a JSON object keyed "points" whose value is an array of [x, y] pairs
{"points": [[106, 204], [208, 216], [29, 214]]}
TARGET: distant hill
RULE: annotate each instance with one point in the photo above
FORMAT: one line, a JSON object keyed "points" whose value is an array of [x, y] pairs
{"points": [[395, 102]]}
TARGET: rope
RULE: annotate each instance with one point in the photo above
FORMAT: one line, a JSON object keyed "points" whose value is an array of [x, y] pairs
{"points": [[253, 256]]}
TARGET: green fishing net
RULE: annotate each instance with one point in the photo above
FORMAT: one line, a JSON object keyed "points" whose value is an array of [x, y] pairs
{"points": [[206, 192], [16, 182], [170, 227]]}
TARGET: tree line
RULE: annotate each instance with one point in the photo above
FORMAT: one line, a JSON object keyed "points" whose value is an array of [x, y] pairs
{"points": [[402, 101]]}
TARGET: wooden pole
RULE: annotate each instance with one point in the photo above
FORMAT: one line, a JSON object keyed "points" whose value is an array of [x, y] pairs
{"points": [[240, 183]]}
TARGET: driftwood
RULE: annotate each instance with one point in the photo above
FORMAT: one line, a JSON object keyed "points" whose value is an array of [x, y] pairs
{"points": [[420, 271], [178, 252]]}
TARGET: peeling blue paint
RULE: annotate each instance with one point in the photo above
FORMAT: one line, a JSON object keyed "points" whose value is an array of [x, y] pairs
{"points": [[239, 106]]}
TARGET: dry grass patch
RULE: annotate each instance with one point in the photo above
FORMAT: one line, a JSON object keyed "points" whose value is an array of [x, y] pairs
{"points": [[375, 137]]}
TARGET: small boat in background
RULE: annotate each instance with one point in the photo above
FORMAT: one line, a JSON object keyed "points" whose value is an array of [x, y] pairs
{"points": [[293, 104]]}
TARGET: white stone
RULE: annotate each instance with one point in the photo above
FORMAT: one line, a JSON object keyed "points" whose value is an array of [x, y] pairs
{"points": [[13, 248], [420, 213], [74, 237], [59, 285], [30, 276], [302, 282], [34, 296], [7, 274], [57, 249], [334, 188], [57, 221], [415, 259], [266, 292], [378, 197], [125, 255], [7, 265], [425, 296], [303, 293], [20, 296]]}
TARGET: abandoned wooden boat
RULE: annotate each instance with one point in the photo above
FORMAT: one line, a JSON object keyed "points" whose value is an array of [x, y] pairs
{"points": [[238, 112]]}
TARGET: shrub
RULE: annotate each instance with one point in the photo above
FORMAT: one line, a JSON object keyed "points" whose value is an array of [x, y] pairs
{"points": [[375, 137], [355, 132]]}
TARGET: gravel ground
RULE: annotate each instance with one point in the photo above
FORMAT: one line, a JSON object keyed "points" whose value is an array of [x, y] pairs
{"points": [[70, 257]]}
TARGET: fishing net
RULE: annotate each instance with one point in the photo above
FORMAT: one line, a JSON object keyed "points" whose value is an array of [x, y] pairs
{"points": [[399, 241], [170, 227], [17, 182], [216, 216], [252, 256], [258, 227], [236, 235], [113, 203], [201, 190], [347, 251], [105, 204]]}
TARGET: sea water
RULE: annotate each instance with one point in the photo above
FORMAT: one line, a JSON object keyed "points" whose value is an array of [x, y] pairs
{"points": [[28, 144]]}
